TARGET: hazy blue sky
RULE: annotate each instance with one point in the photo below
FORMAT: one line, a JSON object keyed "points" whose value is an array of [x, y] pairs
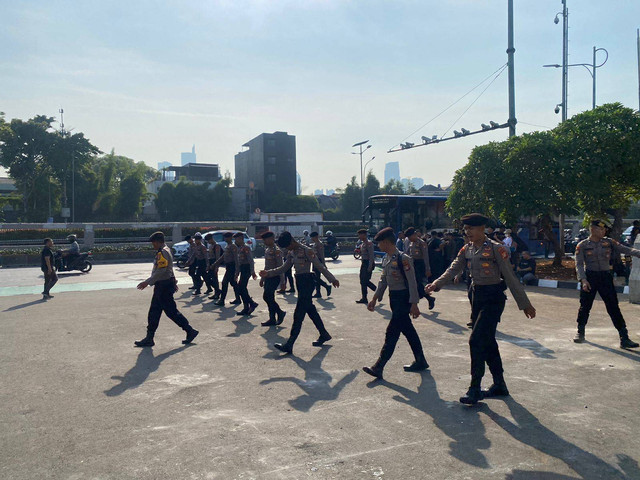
{"points": [[150, 78]]}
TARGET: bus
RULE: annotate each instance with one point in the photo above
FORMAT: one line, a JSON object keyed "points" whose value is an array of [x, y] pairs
{"points": [[403, 211]]}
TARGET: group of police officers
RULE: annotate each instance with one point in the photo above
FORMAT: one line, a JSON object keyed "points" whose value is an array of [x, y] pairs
{"points": [[485, 261]]}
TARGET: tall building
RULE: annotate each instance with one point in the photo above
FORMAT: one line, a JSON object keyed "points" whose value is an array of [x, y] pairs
{"points": [[318, 192], [298, 184], [267, 167], [417, 182], [162, 165], [188, 157], [391, 171]]}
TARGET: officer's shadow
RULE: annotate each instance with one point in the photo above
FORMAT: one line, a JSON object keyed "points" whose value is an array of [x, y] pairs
{"points": [[325, 304], [146, 363], [243, 326], [317, 382], [626, 353], [453, 327], [271, 336], [527, 429], [461, 424]]}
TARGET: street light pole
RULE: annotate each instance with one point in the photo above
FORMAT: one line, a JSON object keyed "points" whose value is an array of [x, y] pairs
{"points": [[360, 144], [512, 79], [565, 58]]}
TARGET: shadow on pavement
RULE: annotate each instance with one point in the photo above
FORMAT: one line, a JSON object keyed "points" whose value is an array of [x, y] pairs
{"points": [[533, 346], [325, 304], [317, 382], [527, 429], [145, 364], [453, 327], [272, 335], [25, 305], [243, 326], [626, 353], [461, 424]]}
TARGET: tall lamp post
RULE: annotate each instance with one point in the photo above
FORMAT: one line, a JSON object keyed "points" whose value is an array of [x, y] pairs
{"points": [[362, 150]]}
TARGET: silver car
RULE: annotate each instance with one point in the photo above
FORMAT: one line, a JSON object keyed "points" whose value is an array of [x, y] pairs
{"points": [[180, 248]]}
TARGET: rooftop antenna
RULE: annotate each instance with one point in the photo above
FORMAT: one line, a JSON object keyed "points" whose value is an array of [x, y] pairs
{"points": [[61, 111]]}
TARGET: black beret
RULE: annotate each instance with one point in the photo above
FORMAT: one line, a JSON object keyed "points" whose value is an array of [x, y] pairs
{"points": [[267, 234], [156, 237], [187, 238], [227, 234], [208, 236], [598, 223], [474, 220], [285, 239], [410, 231], [385, 234], [238, 234], [314, 234], [363, 230]]}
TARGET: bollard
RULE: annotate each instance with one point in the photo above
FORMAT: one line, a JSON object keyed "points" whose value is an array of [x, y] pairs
{"points": [[176, 234], [89, 236], [634, 278]]}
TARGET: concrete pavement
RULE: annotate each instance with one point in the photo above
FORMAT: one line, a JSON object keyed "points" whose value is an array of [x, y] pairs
{"points": [[77, 401]]}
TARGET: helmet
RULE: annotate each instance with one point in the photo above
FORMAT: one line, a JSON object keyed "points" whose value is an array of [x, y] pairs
{"points": [[72, 238], [306, 232], [329, 232]]}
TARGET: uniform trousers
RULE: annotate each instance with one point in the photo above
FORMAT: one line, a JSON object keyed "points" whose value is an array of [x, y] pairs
{"points": [[162, 301], [400, 323], [50, 279], [211, 280], [602, 283], [487, 305], [421, 272], [242, 289], [271, 284], [305, 306], [365, 278], [200, 273], [229, 278]]}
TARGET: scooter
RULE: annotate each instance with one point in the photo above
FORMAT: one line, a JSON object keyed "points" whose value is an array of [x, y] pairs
{"points": [[356, 252], [82, 262], [332, 254]]}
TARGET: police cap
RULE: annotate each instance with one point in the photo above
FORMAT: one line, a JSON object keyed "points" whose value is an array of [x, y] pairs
{"points": [[227, 235], [156, 237], [598, 223], [362, 231], [267, 234], [313, 234], [238, 234], [187, 238], [208, 236], [474, 220], [285, 239], [385, 234], [410, 231]]}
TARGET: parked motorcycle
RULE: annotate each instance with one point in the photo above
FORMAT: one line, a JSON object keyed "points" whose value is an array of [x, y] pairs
{"points": [[357, 252], [82, 262]]}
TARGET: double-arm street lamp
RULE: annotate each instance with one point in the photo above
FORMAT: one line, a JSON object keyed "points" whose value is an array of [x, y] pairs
{"points": [[362, 150]]}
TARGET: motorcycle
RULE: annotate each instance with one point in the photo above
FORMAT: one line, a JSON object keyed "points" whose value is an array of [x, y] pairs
{"points": [[334, 253], [357, 252], [82, 262], [181, 260]]}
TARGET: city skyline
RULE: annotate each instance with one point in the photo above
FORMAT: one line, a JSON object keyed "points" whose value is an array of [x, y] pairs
{"points": [[331, 73]]}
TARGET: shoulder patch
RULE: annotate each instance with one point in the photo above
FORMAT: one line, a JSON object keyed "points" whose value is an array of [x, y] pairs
{"points": [[161, 261], [503, 252], [406, 264]]}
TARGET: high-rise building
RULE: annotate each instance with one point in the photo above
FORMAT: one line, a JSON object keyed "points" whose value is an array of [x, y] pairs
{"points": [[330, 191], [163, 165], [298, 184], [188, 157], [391, 171], [319, 191], [267, 167]]}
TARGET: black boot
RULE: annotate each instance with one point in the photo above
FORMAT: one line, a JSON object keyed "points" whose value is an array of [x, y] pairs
{"points": [[191, 334], [329, 290], [281, 315], [363, 301], [237, 301], [498, 389], [284, 347], [417, 366], [432, 302], [252, 307], [374, 371], [269, 323], [626, 342], [473, 396], [579, 338], [219, 303], [325, 337], [145, 342]]}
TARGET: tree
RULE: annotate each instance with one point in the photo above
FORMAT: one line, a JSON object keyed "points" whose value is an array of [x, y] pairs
{"points": [[194, 201], [283, 202]]}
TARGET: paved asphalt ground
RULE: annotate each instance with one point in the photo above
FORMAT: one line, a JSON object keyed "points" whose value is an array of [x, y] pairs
{"points": [[77, 401]]}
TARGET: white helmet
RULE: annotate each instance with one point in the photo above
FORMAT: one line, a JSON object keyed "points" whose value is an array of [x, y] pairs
{"points": [[329, 232], [306, 232]]}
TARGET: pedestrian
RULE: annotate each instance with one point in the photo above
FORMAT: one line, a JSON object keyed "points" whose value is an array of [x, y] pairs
{"points": [[400, 241], [318, 248], [399, 276], [273, 258], [436, 260], [48, 268], [491, 274], [247, 270], [367, 264], [301, 258], [419, 253], [232, 270], [214, 252], [593, 260], [164, 286], [306, 238], [526, 269], [199, 259], [192, 266], [635, 230]]}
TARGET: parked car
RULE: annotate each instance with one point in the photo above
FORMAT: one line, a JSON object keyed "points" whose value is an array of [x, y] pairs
{"points": [[180, 248]]}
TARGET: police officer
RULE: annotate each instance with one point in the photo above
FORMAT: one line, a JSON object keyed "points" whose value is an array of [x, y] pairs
{"points": [[302, 257], [199, 258], [273, 258], [247, 270], [232, 269], [419, 252], [491, 273], [593, 260], [398, 275], [318, 247], [367, 264], [192, 267], [164, 286], [214, 252]]}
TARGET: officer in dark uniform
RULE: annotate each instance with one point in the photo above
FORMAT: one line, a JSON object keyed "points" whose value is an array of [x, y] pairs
{"points": [[593, 267], [192, 266], [419, 252], [273, 258], [199, 259], [398, 275], [318, 247], [214, 253], [302, 258], [247, 270], [367, 264], [164, 286], [232, 269], [491, 273]]}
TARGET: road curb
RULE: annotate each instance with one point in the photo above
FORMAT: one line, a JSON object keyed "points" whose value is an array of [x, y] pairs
{"points": [[544, 283]]}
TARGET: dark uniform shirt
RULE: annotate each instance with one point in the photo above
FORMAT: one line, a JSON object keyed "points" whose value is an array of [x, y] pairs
{"points": [[398, 274], [214, 252], [596, 256], [198, 252], [368, 253], [419, 251], [488, 265], [245, 257], [302, 258], [162, 266], [229, 256]]}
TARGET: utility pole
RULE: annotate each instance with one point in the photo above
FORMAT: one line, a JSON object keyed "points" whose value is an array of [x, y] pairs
{"points": [[638, 32], [565, 58], [512, 79]]}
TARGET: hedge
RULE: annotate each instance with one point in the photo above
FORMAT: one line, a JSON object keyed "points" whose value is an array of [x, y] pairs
{"points": [[38, 234]]}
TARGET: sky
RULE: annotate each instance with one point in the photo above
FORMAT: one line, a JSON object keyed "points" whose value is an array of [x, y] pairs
{"points": [[151, 78]]}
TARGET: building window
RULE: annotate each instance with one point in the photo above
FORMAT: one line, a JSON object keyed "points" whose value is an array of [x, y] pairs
{"points": [[271, 142], [271, 177], [271, 160]]}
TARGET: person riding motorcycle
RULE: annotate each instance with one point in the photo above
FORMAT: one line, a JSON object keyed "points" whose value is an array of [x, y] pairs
{"points": [[331, 241], [306, 237], [69, 255]]}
